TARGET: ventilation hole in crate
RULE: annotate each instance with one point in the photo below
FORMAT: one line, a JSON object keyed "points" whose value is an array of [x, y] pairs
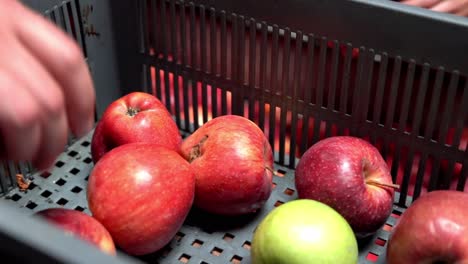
{"points": [[247, 245], [184, 258], [16, 197], [203, 262], [197, 243], [76, 189], [62, 201], [79, 208], [380, 241], [396, 214], [45, 174], [280, 173], [74, 171], [46, 194], [85, 143], [178, 237], [278, 203], [216, 251], [236, 259], [273, 185], [32, 185], [166, 251], [88, 160], [387, 227], [59, 163], [60, 182], [72, 153], [87, 178], [228, 237], [289, 191], [372, 257], [31, 205]]}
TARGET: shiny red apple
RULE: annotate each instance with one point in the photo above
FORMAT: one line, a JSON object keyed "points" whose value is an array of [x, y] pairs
{"points": [[142, 193], [233, 164], [350, 175], [80, 225], [135, 117], [434, 229]]}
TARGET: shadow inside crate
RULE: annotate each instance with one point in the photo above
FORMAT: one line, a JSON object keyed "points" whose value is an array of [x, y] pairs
{"points": [[210, 223]]}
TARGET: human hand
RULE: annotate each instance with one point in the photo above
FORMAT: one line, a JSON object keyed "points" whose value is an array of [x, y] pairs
{"points": [[45, 87], [456, 7]]}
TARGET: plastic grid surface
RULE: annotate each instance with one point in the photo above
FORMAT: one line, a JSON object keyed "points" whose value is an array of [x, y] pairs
{"points": [[204, 238]]}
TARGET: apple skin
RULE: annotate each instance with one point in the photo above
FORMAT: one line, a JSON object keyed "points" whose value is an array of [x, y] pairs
{"points": [[142, 193], [342, 172], [80, 225], [434, 227], [304, 231], [135, 117], [233, 163]]}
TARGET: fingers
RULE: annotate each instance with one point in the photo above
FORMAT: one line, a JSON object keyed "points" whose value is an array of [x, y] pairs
{"points": [[450, 6], [50, 120], [52, 113], [463, 11], [421, 3], [53, 140], [20, 126], [457, 7], [64, 60]]}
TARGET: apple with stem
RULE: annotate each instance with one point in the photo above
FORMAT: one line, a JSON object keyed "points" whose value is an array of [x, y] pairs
{"points": [[233, 163], [350, 175], [135, 117]]}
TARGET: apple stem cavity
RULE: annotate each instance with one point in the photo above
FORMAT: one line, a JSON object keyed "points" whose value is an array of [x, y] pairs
{"points": [[379, 184], [132, 111], [196, 152]]}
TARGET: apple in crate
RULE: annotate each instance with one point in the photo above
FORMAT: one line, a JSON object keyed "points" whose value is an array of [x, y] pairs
{"points": [[304, 231], [233, 164], [142, 193], [135, 117], [80, 225], [434, 229], [350, 175]]}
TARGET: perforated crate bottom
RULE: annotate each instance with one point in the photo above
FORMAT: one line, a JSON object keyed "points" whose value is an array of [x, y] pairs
{"points": [[203, 238]]}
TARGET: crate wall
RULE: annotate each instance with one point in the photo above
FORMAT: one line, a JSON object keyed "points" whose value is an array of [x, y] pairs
{"points": [[300, 88]]}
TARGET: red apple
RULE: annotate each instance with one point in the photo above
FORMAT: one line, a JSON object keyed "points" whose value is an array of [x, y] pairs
{"points": [[142, 193], [135, 117], [80, 225], [434, 229], [233, 164], [350, 175]]}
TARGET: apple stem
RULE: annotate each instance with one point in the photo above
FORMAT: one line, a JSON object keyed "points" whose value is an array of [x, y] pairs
{"points": [[379, 184], [271, 170]]}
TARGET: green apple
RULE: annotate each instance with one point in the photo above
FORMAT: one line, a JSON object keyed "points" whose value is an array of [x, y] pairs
{"points": [[304, 231]]}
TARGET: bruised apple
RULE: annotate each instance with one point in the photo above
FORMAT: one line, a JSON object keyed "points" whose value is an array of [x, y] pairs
{"points": [[135, 117], [233, 164], [80, 225], [142, 193]]}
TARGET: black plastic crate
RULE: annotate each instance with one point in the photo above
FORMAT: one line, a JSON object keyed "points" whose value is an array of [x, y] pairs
{"points": [[288, 66]]}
